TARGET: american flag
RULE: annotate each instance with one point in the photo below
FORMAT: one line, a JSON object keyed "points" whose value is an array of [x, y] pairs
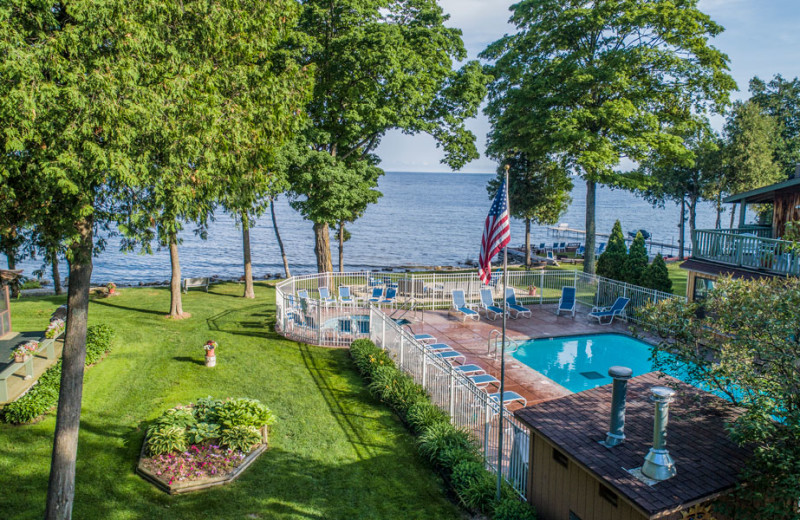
{"points": [[496, 233]]}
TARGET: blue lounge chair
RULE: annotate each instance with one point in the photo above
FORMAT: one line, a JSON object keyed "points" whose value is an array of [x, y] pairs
{"points": [[460, 306], [325, 296], [483, 380], [487, 305], [580, 251], [438, 347], [515, 310], [302, 294], [424, 338], [600, 249], [509, 397], [542, 247], [567, 301], [377, 295], [344, 295], [562, 247], [389, 296], [451, 355], [618, 309], [470, 369]]}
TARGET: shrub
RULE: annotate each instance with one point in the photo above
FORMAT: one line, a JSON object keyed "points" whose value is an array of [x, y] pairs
{"points": [[367, 357], [395, 388], [440, 437], [177, 417], [452, 456], [98, 342], [476, 486], [166, 439], [511, 508], [244, 412], [636, 263], [202, 432], [241, 438], [610, 263], [205, 409], [657, 276], [424, 414]]}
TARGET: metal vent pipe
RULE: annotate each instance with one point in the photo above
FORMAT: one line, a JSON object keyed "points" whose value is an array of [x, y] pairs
{"points": [[658, 464], [616, 433]]}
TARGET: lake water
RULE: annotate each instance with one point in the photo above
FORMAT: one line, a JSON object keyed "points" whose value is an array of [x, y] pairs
{"points": [[423, 219]]}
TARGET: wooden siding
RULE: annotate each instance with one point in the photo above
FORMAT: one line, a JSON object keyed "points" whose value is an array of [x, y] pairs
{"points": [[784, 211]]}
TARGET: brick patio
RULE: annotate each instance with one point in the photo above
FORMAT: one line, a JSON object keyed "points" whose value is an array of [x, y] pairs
{"points": [[471, 339]]}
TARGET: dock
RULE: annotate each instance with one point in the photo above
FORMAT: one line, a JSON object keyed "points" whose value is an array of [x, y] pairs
{"points": [[653, 246]]}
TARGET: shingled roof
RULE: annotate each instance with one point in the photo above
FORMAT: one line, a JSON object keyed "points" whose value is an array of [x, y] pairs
{"points": [[707, 461]]}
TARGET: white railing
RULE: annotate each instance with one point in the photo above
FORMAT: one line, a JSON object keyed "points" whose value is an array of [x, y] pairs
{"points": [[468, 406]]}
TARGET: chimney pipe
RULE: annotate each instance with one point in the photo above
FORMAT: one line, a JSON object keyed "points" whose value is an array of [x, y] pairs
{"points": [[616, 433], [658, 464]]}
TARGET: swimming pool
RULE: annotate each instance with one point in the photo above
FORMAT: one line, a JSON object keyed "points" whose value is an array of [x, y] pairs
{"points": [[579, 363]]}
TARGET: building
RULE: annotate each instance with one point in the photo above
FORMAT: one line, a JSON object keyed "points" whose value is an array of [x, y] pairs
{"points": [[572, 475], [747, 251], [6, 277]]}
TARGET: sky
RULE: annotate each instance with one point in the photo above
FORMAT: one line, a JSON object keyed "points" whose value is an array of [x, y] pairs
{"points": [[761, 38]]}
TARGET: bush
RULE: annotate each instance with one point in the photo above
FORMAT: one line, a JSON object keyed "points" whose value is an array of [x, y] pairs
{"points": [[368, 357], [177, 417], [395, 388], [657, 276], [241, 438], [205, 409], [43, 395], [166, 439], [202, 432], [612, 260], [244, 412], [512, 508], [441, 437], [423, 414], [476, 486], [636, 263]]}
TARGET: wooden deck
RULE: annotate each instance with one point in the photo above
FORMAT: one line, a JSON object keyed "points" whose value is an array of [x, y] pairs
{"points": [[17, 384], [471, 339]]}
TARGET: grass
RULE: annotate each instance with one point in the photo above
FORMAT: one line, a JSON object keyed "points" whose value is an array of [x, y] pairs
{"points": [[334, 453]]}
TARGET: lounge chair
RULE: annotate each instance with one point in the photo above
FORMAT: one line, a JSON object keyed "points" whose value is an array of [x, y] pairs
{"points": [[483, 380], [515, 310], [567, 301], [424, 338], [344, 295], [377, 295], [487, 305], [509, 396], [580, 251], [542, 247], [325, 296], [562, 247], [470, 369], [302, 294], [555, 247], [618, 309], [451, 355], [438, 347], [461, 306], [389, 297]]}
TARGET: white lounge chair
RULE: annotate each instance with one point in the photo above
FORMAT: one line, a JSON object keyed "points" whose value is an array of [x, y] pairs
{"points": [[618, 309], [344, 295], [325, 296], [509, 396]]}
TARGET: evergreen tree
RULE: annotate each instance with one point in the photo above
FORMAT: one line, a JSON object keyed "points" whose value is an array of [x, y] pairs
{"points": [[656, 276], [613, 259], [636, 263]]}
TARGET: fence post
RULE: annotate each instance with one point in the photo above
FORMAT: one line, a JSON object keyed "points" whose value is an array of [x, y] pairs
{"points": [[319, 324], [383, 332], [424, 370], [541, 287], [487, 428], [401, 351], [452, 392]]}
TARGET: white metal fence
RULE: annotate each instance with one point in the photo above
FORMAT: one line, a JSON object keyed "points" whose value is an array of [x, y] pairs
{"points": [[469, 407]]}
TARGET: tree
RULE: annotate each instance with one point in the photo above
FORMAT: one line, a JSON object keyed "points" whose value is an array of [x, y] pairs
{"points": [[656, 276], [748, 353], [612, 260], [538, 191], [380, 65], [749, 154], [599, 81], [278, 238], [780, 98], [636, 262], [344, 236]]}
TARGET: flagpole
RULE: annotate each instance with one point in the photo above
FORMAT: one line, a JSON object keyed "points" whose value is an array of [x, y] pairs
{"points": [[503, 358]]}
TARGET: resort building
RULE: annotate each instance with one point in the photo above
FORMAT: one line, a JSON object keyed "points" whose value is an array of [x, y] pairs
{"points": [[747, 251], [574, 475]]}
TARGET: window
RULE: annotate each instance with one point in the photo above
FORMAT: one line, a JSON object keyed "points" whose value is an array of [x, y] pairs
{"points": [[560, 458], [702, 286], [608, 495]]}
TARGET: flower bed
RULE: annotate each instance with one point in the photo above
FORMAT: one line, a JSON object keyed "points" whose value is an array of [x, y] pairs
{"points": [[205, 444]]}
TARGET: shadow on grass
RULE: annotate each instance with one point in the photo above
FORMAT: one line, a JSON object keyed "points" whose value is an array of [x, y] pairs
{"points": [[134, 309], [187, 359], [240, 322]]}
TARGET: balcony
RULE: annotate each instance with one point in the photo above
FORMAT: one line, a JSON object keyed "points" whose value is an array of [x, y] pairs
{"points": [[747, 248]]}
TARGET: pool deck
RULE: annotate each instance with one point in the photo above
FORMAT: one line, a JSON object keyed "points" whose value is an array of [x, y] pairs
{"points": [[471, 339]]}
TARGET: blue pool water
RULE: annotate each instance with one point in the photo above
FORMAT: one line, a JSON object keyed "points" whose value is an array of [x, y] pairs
{"points": [[579, 363]]}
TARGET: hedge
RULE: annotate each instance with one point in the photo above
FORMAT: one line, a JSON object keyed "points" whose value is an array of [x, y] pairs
{"points": [[450, 450], [43, 395]]}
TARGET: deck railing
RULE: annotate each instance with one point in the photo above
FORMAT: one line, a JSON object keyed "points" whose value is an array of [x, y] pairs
{"points": [[747, 251]]}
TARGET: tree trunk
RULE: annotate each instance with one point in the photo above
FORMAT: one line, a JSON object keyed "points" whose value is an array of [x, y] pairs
{"points": [[278, 238], [682, 227], [692, 219], [61, 487], [11, 255], [588, 258], [733, 214], [56, 275], [527, 242], [249, 292], [175, 302], [718, 224], [322, 247], [341, 247]]}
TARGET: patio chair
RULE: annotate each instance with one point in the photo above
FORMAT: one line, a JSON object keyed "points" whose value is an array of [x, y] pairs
{"points": [[377, 295], [555, 247], [562, 247], [302, 294], [483, 380], [600, 249], [424, 338], [325, 296], [491, 310], [580, 251], [618, 309], [461, 306], [509, 396], [469, 369], [551, 259], [389, 297], [542, 247], [451, 355], [344, 295], [515, 310], [438, 347], [567, 301]]}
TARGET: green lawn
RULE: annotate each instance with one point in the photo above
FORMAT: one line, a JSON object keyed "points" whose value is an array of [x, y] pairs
{"points": [[334, 453]]}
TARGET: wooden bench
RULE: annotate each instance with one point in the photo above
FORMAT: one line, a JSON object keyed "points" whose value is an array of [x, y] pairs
{"points": [[195, 282], [46, 345]]}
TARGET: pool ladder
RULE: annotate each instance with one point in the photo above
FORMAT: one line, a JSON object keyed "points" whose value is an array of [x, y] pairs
{"points": [[496, 339], [406, 307]]}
